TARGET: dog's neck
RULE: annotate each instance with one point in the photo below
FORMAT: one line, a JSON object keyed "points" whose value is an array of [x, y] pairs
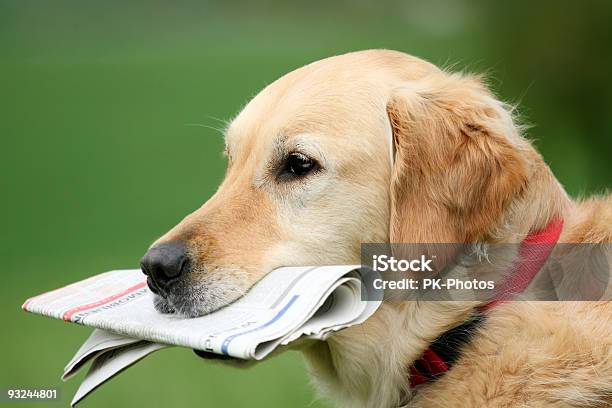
{"points": [[368, 365], [446, 349], [536, 220]]}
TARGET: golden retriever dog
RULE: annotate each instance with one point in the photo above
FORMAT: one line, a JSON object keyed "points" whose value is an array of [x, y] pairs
{"points": [[380, 146]]}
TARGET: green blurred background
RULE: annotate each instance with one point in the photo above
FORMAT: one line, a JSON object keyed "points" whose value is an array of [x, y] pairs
{"points": [[107, 117]]}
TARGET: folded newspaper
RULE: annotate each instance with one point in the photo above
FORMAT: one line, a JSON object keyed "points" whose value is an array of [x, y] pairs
{"points": [[289, 303]]}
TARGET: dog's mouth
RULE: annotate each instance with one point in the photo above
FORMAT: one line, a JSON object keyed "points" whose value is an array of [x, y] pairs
{"points": [[160, 300], [182, 286], [192, 303], [197, 295]]}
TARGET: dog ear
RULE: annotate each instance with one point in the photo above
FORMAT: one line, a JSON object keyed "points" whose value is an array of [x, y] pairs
{"points": [[458, 160]]}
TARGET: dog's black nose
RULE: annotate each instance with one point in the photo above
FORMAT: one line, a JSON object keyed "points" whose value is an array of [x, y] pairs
{"points": [[164, 263]]}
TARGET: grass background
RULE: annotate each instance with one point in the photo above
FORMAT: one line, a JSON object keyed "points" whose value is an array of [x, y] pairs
{"points": [[102, 148]]}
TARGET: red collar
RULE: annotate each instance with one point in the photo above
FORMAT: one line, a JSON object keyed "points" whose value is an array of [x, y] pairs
{"points": [[439, 356]]}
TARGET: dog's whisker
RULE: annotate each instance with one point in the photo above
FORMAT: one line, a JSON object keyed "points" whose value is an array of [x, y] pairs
{"points": [[218, 130]]}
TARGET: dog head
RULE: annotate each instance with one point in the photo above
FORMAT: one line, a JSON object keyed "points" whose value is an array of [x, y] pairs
{"points": [[365, 147]]}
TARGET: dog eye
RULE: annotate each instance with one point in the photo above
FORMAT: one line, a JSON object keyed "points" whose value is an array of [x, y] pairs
{"points": [[297, 165]]}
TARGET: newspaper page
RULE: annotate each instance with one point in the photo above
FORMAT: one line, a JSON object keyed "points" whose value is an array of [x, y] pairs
{"points": [[274, 310], [112, 362], [99, 342], [287, 304]]}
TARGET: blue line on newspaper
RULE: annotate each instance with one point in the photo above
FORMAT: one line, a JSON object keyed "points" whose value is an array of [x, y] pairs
{"points": [[226, 342]]}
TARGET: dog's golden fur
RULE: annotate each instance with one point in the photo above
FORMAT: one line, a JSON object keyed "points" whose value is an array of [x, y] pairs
{"points": [[462, 172]]}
